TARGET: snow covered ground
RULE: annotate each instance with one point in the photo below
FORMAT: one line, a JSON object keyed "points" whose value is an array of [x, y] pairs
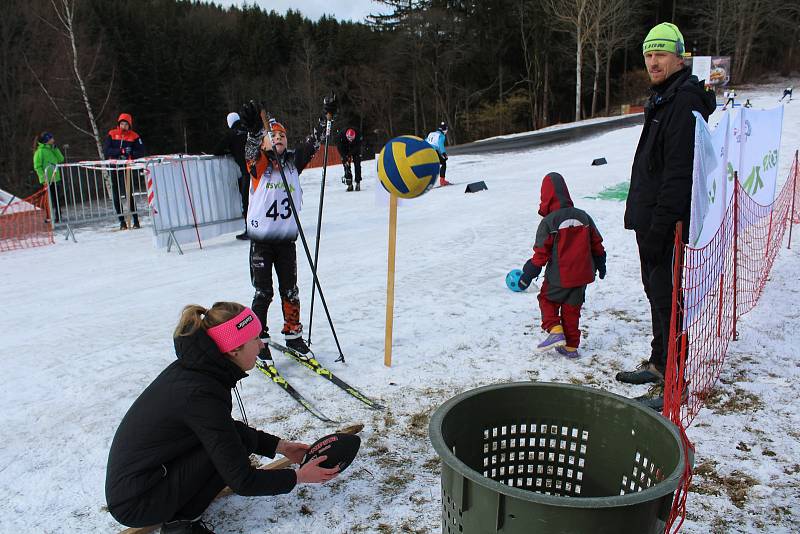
{"points": [[87, 326]]}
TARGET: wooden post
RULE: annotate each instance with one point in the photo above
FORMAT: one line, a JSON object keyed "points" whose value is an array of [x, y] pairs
{"points": [[387, 346]]}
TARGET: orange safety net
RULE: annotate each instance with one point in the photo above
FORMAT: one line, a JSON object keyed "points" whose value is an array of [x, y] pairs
{"points": [[25, 223], [713, 287], [333, 157]]}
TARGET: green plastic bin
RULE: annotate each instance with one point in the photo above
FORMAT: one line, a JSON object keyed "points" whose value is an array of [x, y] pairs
{"points": [[536, 457]]}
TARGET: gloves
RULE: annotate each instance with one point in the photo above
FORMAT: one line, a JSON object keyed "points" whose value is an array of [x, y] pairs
{"points": [[600, 265], [444, 157], [250, 117], [655, 246], [330, 105], [529, 272]]}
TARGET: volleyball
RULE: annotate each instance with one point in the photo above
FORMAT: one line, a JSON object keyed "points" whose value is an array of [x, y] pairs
{"points": [[408, 166]]}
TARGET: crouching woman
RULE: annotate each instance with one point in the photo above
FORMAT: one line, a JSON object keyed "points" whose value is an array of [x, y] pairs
{"points": [[178, 445]]}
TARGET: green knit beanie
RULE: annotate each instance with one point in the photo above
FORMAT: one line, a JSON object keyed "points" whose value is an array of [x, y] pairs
{"points": [[664, 37]]}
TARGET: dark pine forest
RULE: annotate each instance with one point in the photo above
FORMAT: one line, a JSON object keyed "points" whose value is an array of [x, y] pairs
{"points": [[486, 67]]}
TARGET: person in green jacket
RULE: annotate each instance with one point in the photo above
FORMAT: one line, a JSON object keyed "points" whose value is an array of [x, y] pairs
{"points": [[46, 155]]}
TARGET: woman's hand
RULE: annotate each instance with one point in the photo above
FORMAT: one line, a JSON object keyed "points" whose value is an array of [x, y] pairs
{"points": [[293, 450], [312, 473]]}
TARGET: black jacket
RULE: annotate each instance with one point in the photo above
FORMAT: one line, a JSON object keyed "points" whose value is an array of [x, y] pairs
{"points": [[189, 406], [661, 178], [346, 148], [233, 144]]}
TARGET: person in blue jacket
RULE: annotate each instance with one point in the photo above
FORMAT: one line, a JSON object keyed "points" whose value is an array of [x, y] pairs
{"points": [[437, 139]]}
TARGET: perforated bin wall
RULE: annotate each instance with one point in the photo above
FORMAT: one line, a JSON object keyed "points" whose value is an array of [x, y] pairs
{"points": [[537, 457]]}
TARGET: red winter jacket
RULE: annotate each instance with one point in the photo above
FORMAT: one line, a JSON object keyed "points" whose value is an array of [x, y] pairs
{"points": [[566, 239], [123, 144]]}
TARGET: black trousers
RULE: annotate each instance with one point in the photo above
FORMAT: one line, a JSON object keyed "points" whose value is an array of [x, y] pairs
{"points": [[117, 185], [189, 485], [657, 281], [442, 166], [55, 202], [282, 255], [348, 175], [244, 192]]}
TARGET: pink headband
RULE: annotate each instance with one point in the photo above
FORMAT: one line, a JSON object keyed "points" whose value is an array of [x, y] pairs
{"points": [[235, 332]]}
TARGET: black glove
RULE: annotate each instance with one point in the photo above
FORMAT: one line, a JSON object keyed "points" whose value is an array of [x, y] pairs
{"points": [[330, 105], [529, 272], [655, 246], [444, 157], [250, 117], [600, 265]]}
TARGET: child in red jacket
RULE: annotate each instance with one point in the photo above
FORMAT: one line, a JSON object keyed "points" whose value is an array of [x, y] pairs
{"points": [[568, 243]]}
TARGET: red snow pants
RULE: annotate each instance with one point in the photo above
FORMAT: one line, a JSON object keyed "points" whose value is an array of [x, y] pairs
{"points": [[561, 313]]}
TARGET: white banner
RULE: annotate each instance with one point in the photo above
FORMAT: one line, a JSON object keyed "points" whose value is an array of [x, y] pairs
{"points": [[710, 184], [754, 152], [701, 67]]}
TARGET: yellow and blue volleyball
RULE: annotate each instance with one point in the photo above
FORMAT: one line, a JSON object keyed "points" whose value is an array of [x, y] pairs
{"points": [[408, 166]]}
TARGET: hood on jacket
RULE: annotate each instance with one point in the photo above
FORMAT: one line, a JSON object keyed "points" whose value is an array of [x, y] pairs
{"points": [[125, 117], [682, 80], [199, 352], [555, 195]]}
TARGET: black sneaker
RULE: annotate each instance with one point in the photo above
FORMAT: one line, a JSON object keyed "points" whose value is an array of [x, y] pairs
{"points": [[297, 344], [243, 236], [186, 526], [647, 372]]}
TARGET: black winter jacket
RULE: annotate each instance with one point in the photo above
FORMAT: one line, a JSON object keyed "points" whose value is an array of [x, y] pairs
{"points": [[189, 406], [661, 177], [346, 148], [233, 144]]}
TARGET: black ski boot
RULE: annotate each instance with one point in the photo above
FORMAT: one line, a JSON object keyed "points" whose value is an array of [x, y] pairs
{"points": [[349, 186], [298, 344], [186, 526], [243, 236], [358, 186], [647, 372]]}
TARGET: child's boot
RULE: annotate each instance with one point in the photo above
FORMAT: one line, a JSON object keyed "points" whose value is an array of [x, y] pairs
{"points": [[554, 339]]}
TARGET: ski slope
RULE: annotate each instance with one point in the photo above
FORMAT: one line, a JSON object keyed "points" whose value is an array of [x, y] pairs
{"points": [[87, 326]]}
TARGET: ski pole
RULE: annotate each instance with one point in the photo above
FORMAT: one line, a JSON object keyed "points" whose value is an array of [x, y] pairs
{"points": [[328, 122], [303, 239]]}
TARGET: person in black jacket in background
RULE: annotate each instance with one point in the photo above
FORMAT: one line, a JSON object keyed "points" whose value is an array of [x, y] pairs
{"points": [[178, 445], [349, 143], [233, 143], [661, 184]]}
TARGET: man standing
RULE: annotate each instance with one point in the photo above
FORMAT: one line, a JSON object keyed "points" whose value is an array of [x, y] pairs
{"points": [[233, 144], [436, 139], [349, 144], [123, 143], [661, 184]]}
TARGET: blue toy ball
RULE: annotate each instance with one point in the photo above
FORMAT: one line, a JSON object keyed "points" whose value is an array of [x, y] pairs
{"points": [[512, 280], [408, 166]]}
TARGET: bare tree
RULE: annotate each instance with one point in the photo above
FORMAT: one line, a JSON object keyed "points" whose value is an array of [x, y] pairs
{"points": [[64, 11], [579, 18], [606, 39]]}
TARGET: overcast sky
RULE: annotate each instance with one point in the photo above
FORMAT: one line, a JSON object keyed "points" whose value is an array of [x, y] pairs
{"points": [[355, 10]]}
